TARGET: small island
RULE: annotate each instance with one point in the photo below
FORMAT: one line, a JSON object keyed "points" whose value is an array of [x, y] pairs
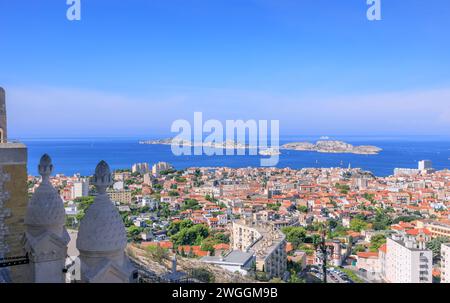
{"points": [[270, 152], [219, 145], [321, 146], [338, 147]]}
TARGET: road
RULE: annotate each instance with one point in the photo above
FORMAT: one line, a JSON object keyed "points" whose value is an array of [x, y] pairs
{"points": [[335, 276]]}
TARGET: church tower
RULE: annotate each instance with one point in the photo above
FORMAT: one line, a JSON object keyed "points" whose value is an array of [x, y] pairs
{"points": [[3, 128]]}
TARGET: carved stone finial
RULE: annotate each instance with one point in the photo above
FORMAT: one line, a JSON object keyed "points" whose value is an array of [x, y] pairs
{"points": [[45, 167], [102, 177]]}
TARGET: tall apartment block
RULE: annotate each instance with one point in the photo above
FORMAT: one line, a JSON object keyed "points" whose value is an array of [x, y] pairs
{"points": [[407, 259], [266, 243], [445, 263]]}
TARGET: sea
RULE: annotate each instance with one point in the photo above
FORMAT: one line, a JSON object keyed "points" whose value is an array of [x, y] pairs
{"points": [[81, 155]]}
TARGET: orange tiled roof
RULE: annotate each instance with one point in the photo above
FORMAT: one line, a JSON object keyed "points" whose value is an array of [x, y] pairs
{"points": [[222, 246], [416, 231], [163, 244], [289, 247], [367, 255]]}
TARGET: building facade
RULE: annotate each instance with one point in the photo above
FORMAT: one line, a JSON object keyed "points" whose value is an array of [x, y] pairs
{"points": [[121, 196], [159, 167], [437, 229], [445, 263], [266, 243], [80, 188], [141, 168], [13, 198], [407, 259]]}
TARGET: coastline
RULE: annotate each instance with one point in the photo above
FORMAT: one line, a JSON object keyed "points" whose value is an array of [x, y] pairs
{"points": [[81, 155]]}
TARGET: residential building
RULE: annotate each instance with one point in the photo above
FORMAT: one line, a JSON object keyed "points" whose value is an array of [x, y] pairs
{"points": [[437, 229], [406, 172], [122, 196], [425, 165], [80, 188], [400, 198], [445, 263], [370, 263], [159, 167], [268, 246], [141, 168], [147, 179], [407, 258], [150, 202], [235, 261]]}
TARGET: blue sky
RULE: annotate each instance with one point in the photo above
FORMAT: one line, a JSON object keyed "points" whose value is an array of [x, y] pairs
{"points": [[130, 68]]}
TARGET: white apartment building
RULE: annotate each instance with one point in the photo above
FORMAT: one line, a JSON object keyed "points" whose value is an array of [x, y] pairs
{"points": [[407, 259], [141, 168], [406, 171], [425, 165], [268, 246], [445, 263], [150, 202], [80, 188], [159, 167]]}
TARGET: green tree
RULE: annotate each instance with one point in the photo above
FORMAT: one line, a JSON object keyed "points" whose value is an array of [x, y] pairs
{"points": [[343, 188], [359, 248], [274, 207], [405, 219], [357, 225], [83, 204], [192, 235], [222, 238], [208, 245], [190, 204], [158, 253], [295, 235], [382, 220], [180, 179], [173, 193], [175, 227], [369, 197], [134, 232], [376, 241], [164, 210], [157, 187], [435, 245], [210, 198], [302, 208]]}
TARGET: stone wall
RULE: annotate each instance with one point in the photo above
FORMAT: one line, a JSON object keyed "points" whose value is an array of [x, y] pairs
{"points": [[13, 163]]}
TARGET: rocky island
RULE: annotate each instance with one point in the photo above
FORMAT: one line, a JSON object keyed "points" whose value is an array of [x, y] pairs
{"points": [[338, 147], [321, 146], [220, 145]]}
